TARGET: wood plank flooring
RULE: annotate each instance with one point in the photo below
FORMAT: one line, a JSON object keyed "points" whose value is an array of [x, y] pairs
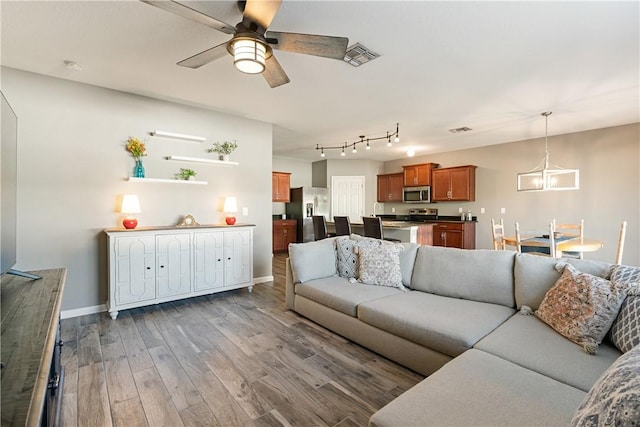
{"points": [[230, 359]]}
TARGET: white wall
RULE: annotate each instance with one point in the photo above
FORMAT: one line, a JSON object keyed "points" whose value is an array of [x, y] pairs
{"points": [[609, 163], [72, 166]]}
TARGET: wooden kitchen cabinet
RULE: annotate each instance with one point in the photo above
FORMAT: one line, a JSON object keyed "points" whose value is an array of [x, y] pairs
{"points": [[418, 175], [457, 184], [455, 235], [284, 232], [280, 183], [390, 187]]}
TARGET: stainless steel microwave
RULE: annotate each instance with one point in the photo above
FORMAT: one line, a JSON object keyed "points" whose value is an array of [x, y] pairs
{"points": [[416, 195]]}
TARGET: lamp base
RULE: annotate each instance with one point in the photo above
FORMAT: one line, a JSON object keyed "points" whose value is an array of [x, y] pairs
{"points": [[230, 220], [130, 222]]}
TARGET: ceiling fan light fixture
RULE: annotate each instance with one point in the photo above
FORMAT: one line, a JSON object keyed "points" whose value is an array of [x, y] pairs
{"points": [[249, 55]]}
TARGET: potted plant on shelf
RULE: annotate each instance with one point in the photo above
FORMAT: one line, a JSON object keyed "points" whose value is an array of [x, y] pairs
{"points": [[138, 151], [187, 174], [223, 149]]}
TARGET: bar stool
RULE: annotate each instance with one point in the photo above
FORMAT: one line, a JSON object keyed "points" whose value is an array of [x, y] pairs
{"points": [[373, 228], [343, 225]]}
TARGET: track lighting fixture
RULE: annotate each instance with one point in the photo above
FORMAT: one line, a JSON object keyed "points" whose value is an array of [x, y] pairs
{"points": [[354, 145]]}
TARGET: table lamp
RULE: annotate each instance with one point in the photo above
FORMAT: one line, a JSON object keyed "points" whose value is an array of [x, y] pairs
{"points": [[230, 207], [130, 205]]}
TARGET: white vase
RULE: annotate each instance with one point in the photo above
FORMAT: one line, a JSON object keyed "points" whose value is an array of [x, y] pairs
{"points": [[224, 157]]}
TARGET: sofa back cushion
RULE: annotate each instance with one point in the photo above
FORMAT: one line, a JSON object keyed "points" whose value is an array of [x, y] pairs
{"points": [[313, 260], [535, 275], [478, 275]]}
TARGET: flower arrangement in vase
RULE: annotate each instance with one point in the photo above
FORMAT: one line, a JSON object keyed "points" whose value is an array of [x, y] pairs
{"points": [[138, 151], [223, 149]]}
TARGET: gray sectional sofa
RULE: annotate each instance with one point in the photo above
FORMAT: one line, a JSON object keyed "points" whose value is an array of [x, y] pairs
{"points": [[458, 322]]}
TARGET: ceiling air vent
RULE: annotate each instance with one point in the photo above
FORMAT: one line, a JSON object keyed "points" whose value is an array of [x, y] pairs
{"points": [[357, 55], [460, 130]]}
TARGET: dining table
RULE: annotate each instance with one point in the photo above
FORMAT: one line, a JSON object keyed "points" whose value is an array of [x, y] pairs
{"points": [[540, 244]]}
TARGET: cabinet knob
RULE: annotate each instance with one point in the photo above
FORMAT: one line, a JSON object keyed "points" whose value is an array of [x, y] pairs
{"points": [[162, 266], [219, 259], [148, 268]]}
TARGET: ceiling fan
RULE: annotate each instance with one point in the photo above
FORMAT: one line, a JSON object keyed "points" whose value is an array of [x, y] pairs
{"points": [[252, 45]]}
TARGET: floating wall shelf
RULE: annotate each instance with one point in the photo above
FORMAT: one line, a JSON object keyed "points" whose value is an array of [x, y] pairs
{"points": [[199, 160], [172, 181], [178, 136]]}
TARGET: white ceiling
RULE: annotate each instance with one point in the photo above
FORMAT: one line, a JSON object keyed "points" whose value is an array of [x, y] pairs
{"points": [[491, 66]]}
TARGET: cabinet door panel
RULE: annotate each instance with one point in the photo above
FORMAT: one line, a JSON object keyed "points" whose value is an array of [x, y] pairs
{"points": [[237, 257], [134, 269], [453, 239], [173, 264], [460, 184], [440, 185], [209, 256]]}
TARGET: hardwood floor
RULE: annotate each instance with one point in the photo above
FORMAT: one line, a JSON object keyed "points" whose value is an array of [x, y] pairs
{"points": [[230, 359]]}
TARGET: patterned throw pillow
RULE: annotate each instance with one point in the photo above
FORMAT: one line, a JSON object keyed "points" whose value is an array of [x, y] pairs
{"points": [[614, 400], [625, 332], [347, 248], [380, 266], [581, 307]]}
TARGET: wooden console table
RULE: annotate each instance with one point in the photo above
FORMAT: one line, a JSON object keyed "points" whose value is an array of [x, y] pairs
{"points": [[32, 378]]}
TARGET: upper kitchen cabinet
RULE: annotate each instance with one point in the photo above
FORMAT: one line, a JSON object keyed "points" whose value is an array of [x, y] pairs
{"points": [[280, 183], [457, 184], [390, 187], [418, 175]]}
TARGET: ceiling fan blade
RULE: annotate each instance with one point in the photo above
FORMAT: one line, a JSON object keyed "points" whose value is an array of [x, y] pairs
{"points": [[203, 58], [261, 12], [310, 44], [274, 74], [192, 14]]}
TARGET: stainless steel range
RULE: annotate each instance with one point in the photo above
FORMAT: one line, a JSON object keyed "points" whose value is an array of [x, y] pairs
{"points": [[423, 214]]}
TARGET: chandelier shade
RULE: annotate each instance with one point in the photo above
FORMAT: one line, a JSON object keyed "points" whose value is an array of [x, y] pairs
{"points": [[548, 176]]}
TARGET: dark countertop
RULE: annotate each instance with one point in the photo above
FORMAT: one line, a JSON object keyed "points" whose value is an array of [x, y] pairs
{"points": [[421, 219]]}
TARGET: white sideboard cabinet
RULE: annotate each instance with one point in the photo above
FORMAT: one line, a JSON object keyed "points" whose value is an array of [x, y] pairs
{"points": [[151, 265]]}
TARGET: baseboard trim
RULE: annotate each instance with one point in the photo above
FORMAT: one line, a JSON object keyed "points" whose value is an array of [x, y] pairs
{"points": [[67, 314]]}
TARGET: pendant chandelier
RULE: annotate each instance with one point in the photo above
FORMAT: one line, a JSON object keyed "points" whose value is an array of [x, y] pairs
{"points": [[548, 176]]}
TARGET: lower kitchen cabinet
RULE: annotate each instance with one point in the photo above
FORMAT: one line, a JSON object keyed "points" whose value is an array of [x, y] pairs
{"points": [[153, 265], [284, 232], [455, 235]]}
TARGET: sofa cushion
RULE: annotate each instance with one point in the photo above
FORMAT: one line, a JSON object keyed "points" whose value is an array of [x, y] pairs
{"points": [[478, 389], [313, 260], [479, 275], [614, 400], [337, 293], [380, 266], [531, 343], [581, 306], [407, 261], [535, 275], [448, 325]]}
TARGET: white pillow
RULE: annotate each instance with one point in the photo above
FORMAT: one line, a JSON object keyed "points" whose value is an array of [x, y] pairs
{"points": [[313, 260], [380, 265]]}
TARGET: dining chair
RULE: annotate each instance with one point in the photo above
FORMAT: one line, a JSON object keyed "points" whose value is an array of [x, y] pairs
{"points": [[542, 246], [373, 228], [569, 230], [623, 232], [497, 233], [320, 227], [343, 225]]}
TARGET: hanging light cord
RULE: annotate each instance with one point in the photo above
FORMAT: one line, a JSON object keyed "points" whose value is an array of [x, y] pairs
{"points": [[546, 115], [347, 145]]}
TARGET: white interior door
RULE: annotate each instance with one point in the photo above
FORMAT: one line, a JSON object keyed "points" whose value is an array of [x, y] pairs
{"points": [[347, 197]]}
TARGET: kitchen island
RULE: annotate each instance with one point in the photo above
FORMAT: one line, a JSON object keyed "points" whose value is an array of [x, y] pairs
{"points": [[405, 231]]}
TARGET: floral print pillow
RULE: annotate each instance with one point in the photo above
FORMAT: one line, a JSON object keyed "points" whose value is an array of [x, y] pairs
{"points": [[581, 307]]}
